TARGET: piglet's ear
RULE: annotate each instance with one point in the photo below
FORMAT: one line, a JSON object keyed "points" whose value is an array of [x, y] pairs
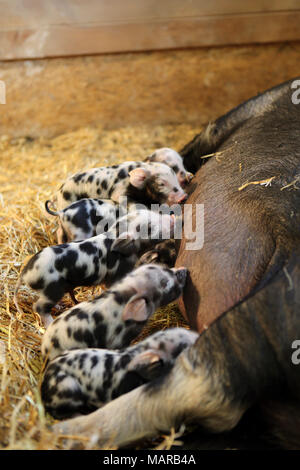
{"points": [[153, 257], [149, 257], [136, 309], [148, 364], [150, 158], [123, 244], [138, 177]]}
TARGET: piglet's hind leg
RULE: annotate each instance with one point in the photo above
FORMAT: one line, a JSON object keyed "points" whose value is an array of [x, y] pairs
{"points": [[43, 307]]}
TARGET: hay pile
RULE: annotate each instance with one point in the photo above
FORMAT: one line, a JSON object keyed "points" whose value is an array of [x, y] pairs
{"points": [[31, 171]]}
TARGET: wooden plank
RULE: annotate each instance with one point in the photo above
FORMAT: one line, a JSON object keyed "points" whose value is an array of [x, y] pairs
{"points": [[67, 40], [50, 97], [36, 13]]}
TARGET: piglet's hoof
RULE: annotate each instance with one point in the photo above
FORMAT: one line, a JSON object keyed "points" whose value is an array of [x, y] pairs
{"points": [[47, 319]]}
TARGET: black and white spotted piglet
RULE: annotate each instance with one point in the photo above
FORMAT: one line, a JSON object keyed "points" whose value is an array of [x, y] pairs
{"points": [[82, 380], [117, 316], [59, 269], [84, 219], [139, 181], [171, 158], [87, 218], [147, 227]]}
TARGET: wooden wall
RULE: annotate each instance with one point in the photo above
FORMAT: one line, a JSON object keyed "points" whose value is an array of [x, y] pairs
{"points": [[52, 96], [43, 28]]}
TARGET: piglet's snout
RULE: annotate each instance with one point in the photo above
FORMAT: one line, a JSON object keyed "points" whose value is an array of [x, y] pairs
{"points": [[177, 197], [185, 179], [188, 177], [181, 274]]}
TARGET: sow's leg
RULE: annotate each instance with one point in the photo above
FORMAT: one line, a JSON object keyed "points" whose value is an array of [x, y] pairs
{"points": [[243, 357], [209, 140]]}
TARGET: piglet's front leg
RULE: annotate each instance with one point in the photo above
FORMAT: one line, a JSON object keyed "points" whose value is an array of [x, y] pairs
{"points": [[73, 298]]}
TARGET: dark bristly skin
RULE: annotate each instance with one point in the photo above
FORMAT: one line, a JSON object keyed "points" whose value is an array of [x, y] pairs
{"points": [[250, 230], [242, 291], [215, 134]]}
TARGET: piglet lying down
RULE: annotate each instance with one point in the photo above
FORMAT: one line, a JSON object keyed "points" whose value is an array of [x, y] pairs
{"points": [[117, 316], [143, 182], [81, 380]]}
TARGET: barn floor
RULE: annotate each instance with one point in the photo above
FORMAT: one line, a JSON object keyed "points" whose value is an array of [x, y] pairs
{"points": [[35, 157], [33, 170]]}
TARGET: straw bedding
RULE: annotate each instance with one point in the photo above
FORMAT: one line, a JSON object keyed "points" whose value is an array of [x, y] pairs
{"points": [[31, 171]]}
